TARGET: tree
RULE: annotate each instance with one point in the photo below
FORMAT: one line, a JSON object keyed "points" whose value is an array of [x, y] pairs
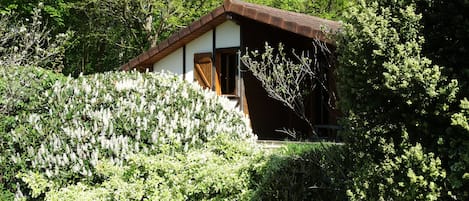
{"points": [[329, 9], [446, 29], [400, 107], [447, 40], [111, 32], [107, 34], [28, 42]]}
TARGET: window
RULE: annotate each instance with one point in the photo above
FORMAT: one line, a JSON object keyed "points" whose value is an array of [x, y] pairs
{"points": [[224, 78], [227, 71]]}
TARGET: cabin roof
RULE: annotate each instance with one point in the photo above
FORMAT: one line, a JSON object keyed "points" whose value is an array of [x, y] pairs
{"points": [[301, 24]]}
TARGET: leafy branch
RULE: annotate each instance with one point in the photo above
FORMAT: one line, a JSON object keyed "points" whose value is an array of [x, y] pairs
{"points": [[290, 81], [28, 42]]}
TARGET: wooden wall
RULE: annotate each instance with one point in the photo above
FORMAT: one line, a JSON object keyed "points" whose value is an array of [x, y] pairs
{"points": [[267, 114]]}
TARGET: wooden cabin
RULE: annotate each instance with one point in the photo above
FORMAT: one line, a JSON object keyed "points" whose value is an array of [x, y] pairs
{"points": [[208, 51]]}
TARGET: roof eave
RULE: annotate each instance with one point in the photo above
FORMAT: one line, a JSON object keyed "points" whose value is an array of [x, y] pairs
{"points": [[178, 39]]}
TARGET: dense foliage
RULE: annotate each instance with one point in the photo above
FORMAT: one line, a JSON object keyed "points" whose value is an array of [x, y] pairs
{"points": [[329, 9], [65, 129], [109, 33], [19, 89], [446, 29], [303, 172], [133, 136], [402, 111], [199, 174]]}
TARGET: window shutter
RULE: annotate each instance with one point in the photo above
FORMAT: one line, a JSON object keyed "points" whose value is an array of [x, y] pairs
{"points": [[203, 69]]}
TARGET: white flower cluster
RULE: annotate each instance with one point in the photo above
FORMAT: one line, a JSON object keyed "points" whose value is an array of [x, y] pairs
{"points": [[115, 115], [126, 84]]}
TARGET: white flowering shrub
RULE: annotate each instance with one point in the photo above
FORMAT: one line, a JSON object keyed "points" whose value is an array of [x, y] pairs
{"points": [[71, 126], [199, 174]]}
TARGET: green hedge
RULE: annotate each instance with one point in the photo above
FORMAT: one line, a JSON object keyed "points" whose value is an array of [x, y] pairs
{"points": [[63, 128], [303, 171], [199, 174], [405, 118], [20, 96], [134, 136]]}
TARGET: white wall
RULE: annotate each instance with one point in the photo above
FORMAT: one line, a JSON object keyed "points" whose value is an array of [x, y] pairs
{"points": [[201, 44], [228, 35], [172, 63]]}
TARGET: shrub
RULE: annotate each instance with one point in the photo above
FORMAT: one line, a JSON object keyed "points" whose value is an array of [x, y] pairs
{"points": [[20, 95], [302, 172], [458, 151], [71, 128], [134, 136], [199, 174], [399, 107], [446, 28], [294, 172]]}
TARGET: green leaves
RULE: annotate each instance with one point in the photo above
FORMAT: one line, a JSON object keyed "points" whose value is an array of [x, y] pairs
{"points": [[67, 127], [329, 9], [195, 175], [462, 119], [303, 171], [399, 106], [108, 33]]}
